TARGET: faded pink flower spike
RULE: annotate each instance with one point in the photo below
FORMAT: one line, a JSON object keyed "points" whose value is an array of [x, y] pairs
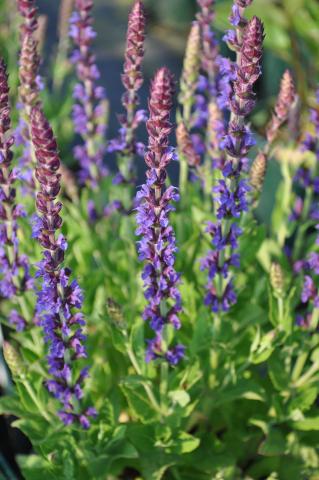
{"points": [[285, 100]]}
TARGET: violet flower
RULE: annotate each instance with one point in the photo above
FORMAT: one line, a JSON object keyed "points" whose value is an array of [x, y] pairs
{"points": [[157, 246], [59, 299], [217, 71], [132, 79], [206, 124], [230, 191], [210, 50], [14, 267], [307, 180], [90, 108]]}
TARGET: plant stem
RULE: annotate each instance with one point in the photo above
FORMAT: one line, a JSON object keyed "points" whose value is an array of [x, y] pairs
{"points": [[148, 390], [280, 303], [304, 378], [164, 386], [36, 401]]}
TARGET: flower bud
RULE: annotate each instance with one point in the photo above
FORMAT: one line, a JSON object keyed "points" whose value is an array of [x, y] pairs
{"points": [[114, 310], [277, 280], [191, 64], [185, 146], [285, 101], [13, 360], [258, 172]]}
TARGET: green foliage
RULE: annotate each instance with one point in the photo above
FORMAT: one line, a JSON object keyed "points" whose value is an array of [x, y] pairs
{"points": [[243, 403]]}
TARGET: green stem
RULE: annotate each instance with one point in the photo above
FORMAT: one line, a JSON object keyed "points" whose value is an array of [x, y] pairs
{"points": [[304, 378], [164, 386], [283, 229], [183, 173], [147, 388], [280, 303], [183, 177], [42, 408], [300, 363]]}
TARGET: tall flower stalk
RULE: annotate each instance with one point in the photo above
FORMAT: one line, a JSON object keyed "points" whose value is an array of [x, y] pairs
{"points": [[157, 246], [30, 84], [14, 267], [203, 115], [188, 156], [91, 107], [230, 191], [307, 180], [59, 298], [62, 65], [132, 79], [284, 104]]}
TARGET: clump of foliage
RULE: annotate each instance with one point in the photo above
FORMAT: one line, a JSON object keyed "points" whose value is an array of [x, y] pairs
{"points": [[158, 331]]}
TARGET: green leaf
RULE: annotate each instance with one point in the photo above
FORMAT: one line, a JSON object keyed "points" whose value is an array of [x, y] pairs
{"points": [[279, 376], [203, 333], [184, 443], [261, 352], [118, 339], [243, 389], [35, 467], [180, 397], [305, 399], [68, 466], [121, 449], [37, 429], [274, 444], [251, 243], [138, 402], [154, 460], [307, 424], [10, 405]]}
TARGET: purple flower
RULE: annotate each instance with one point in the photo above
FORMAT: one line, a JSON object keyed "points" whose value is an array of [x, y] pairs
{"points": [[58, 296], [306, 180], [30, 85], [132, 79], [175, 355], [17, 321], [310, 292], [235, 18], [14, 267], [157, 246], [230, 191], [90, 108]]}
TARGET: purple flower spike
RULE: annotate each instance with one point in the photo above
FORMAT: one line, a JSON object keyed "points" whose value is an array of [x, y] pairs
{"points": [[28, 10], [29, 62], [91, 107], [285, 100], [230, 191], [14, 267], [157, 246], [59, 298], [213, 91], [132, 79], [210, 51], [306, 179]]}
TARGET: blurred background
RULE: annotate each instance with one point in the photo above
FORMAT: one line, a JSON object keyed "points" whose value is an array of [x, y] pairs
{"points": [[292, 40]]}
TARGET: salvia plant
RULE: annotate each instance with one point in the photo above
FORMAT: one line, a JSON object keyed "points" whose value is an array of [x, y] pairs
{"points": [[157, 325]]}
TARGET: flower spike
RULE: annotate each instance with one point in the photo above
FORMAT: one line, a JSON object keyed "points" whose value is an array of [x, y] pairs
{"points": [[157, 246]]}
